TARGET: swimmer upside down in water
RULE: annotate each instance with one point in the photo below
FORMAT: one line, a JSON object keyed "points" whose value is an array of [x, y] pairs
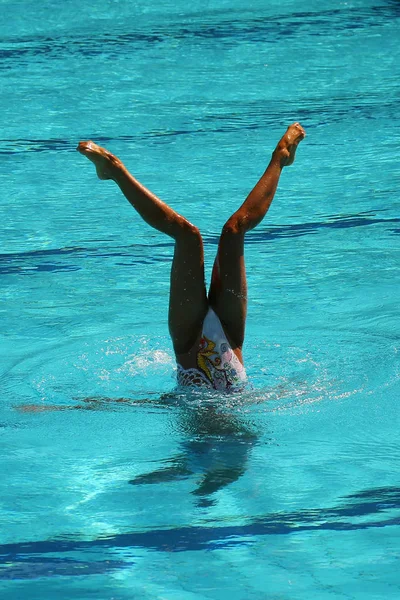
{"points": [[207, 331]]}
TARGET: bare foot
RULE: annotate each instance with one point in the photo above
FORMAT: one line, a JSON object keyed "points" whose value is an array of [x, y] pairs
{"points": [[287, 146], [100, 157]]}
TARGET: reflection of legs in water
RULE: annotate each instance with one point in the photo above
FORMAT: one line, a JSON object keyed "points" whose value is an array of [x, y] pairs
{"points": [[175, 468], [215, 454]]}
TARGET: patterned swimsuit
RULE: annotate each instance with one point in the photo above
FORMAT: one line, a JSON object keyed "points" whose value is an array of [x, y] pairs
{"points": [[217, 365]]}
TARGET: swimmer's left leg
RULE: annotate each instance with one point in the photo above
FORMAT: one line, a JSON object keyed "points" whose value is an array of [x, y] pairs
{"points": [[228, 291], [153, 210], [188, 299]]}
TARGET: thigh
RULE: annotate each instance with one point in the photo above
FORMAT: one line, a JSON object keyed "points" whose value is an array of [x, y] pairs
{"points": [[188, 303], [228, 290]]}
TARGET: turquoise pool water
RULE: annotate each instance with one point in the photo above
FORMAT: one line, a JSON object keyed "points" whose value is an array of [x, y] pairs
{"points": [[291, 490]]}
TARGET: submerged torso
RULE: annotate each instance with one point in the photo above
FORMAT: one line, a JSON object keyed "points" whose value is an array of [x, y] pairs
{"points": [[215, 364]]}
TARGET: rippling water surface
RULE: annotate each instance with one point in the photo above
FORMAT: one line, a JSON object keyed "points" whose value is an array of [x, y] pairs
{"points": [[115, 485]]}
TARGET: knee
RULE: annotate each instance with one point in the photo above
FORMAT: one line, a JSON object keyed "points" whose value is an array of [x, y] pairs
{"points": [[235, 226], [190, 233], [193, 232]]}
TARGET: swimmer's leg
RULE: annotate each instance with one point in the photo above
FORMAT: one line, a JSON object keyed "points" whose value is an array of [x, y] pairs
{"points": [[188, 298], [228, 291]]}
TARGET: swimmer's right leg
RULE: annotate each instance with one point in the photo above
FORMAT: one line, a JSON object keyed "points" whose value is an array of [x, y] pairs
{"points": [[188, 299]]}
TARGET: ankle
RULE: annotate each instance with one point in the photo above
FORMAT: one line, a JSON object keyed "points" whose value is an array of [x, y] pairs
{"points": [[114, 166], [280, 156]]}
